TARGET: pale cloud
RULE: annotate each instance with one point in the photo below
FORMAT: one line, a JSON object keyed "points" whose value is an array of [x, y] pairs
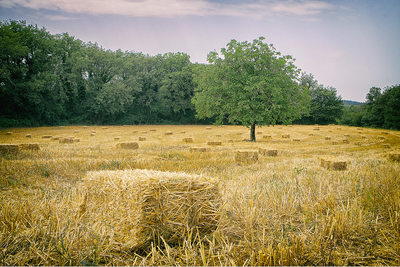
{"points": [[175, 8], [59, 17]]}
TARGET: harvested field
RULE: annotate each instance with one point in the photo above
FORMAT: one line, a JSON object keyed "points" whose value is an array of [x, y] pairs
{"points": [[171, 202]]}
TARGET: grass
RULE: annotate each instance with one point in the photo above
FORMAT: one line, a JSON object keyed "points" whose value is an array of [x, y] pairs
{"points": [[283, 210]]}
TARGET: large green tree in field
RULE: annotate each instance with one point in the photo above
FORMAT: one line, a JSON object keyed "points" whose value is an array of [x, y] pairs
{"points": [[250, 84]]}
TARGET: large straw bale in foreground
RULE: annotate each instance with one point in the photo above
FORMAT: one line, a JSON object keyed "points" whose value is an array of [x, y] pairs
{"points": [[128, 145], [9, 149], [242, 156], [137, 207]]}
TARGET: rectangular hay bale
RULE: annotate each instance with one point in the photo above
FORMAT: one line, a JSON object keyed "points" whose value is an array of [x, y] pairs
{"points": [[246, 156], [8, 149], [128, 145], [198, 149], [139, 206], [187, 140], [35, 147], [214, 143]]}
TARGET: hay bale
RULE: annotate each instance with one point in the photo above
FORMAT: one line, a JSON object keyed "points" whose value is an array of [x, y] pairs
{"points": [[386, 146], [208, 128], [66, 140], [47, 136], [135, 132], [93, 131], [266, 152], [381, 138], [296, 140], [345, 141], [310, 134], [55, 138], [214, 143], [187, 140], [332, 164], [183, 132], [327, 138], [117, 138], [152, 130], [363, 137], [28, 136], [77, 140], [141, 138], [138, 207], [92, 134], [128, 145], [259, 132], [35, 147], [246, 156], [168, 133], [316, 129], [267, 137], [9, 133], [357, 143], [347, 135], [335, 143], [230, 141], [286, 136], [198, 149], [144, 132], [218, 135], [85, 127], [104, 128], [394, 157], [8, 149], [76, 131]]}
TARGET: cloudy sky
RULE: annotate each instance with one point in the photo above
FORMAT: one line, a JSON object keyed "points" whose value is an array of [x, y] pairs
{"points": [[351, 45]]}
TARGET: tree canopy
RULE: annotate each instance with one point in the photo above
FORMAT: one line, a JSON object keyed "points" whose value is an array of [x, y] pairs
{"points": [[249, 84]]}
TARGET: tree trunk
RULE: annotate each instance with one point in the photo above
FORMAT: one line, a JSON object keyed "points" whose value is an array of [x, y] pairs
{"points": [[253, 133]]}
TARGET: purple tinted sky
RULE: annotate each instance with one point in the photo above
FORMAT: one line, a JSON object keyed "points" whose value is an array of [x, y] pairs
{"points": [[350, 45]]}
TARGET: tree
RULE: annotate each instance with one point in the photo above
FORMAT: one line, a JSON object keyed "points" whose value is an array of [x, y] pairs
{"points": [[325, 107], [249, 84]]}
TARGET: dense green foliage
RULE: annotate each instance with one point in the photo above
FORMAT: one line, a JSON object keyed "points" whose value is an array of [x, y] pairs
{"points": [[250, 84], [381, 110], [53, 79], [326, 107], [50, 79]]}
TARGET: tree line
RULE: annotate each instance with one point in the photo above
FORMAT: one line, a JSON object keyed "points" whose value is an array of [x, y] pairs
{"points": [[54, 79]]}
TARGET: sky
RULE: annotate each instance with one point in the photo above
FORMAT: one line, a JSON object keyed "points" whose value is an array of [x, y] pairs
{"points": [[351, 45]]}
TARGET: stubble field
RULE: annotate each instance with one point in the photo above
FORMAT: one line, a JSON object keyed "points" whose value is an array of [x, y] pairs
{"points": [[293, 208]]}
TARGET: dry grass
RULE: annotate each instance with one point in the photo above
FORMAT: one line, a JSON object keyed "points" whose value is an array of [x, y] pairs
{"points": [[282, 210]]}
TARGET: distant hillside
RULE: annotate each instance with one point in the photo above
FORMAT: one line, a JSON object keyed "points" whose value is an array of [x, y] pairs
{"points": [[352, 103]]}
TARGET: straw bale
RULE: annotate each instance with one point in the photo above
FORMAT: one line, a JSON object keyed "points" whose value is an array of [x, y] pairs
{"points": [[360, 129], [8, 133], [266, 152], [296, 140], [92, 134], [208, 128], [357, 143], [230, 141], [267, 137], [310, 134], [152, 130], [381, 138], [332, 164], [363, 137], [259, 132], [327, 138], [394, 157], [141, 138], [85, 127], [246, 156], [28, 136], [128, 145], [8, 149], [386, 146], [384, 133], [93, 131], [117, 138], [198, 149], [347, 135], [77, 140], [168, 133], [29, 147], [138, 207], [187, 140], [76, 131], [316, 129], [66, 140], [214, 143], [345, 141], [335, 142], [286, 136], [47, 136], [218, 135], [134, 132], [55, 138], [104, 128], [144, 132]]}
